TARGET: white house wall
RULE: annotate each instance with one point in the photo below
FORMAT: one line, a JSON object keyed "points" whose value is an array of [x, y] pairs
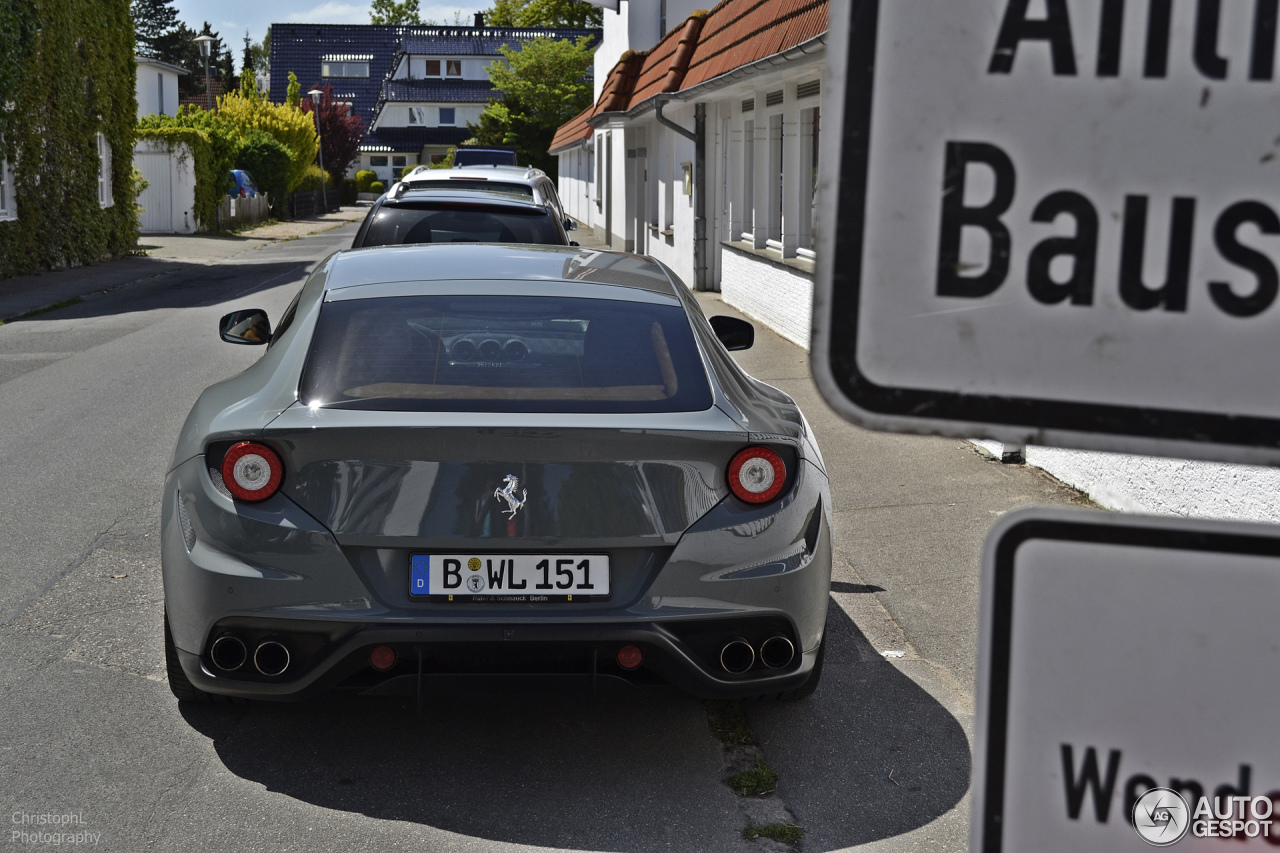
{"points": [[414, 67], [398, 116], [150, 81]]}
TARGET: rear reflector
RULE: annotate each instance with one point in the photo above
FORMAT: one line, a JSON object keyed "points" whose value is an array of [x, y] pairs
{"points": [[252, 471], [757, 475], [630, 657], [382, 657]]}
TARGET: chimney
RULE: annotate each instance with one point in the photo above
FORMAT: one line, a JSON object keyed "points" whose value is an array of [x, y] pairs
{"points": [[479, 20]]}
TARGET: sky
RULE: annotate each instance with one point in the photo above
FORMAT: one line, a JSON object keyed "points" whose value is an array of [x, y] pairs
{"points": [[230, 18]]}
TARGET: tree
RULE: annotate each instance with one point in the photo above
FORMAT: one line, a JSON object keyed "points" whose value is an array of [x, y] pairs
{"points": [[293, 92], [544, 13], [249, 109], [152, 20], [340, 131], [543, 86], [391, 12], [247, 63], [261, 55]]}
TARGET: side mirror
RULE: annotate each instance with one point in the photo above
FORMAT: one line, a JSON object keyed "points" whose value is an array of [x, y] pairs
{"points": [[570, 224], [733, 333], [245, 327]]}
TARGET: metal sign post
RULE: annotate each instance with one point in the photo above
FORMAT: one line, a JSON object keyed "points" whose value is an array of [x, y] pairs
{"points": [[1121, 654], [1054, 222]]}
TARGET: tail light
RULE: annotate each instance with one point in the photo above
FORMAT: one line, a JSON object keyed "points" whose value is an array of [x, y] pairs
{"points": [[757, 475], [252, 471]]}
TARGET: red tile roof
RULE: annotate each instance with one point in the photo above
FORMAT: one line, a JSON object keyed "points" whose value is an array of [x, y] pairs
{"points": [[708, 44]]}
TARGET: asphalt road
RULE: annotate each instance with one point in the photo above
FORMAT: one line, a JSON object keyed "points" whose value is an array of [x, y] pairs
{"points": [[91, 399]]}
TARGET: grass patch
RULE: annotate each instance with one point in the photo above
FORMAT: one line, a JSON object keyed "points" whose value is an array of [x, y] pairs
{"points": [[728, 722], [787, 833], [66, 303], [758, 781]]}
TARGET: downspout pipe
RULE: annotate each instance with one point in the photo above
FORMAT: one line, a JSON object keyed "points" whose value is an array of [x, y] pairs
{"points": [[698, 136]]}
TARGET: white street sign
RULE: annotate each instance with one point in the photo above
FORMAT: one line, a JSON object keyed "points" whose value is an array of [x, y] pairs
{"points": [[1120, 654], [1055, 222]]}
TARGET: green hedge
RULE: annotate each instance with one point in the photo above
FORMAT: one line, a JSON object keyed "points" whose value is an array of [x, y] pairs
{"points": [[364, 178], [65, 89], [214, 145], [350, 192], [377, 187]]}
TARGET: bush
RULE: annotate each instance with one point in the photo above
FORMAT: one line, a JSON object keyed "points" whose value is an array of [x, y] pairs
{"points": [[364, 179], [406, 170], [270, 163], [377, 187], [311, 180], [350, 192], [250, 110]]}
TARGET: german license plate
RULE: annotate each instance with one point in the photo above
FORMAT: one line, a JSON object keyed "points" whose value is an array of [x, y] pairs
{"points": [[509, 577]]}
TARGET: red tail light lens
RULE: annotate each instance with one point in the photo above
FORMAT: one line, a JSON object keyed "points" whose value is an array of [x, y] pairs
{"points": [[252, 471], [757, 475]]}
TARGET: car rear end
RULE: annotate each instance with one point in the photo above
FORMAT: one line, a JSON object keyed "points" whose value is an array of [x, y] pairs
{"points": [[459, 217], [492, 490]]}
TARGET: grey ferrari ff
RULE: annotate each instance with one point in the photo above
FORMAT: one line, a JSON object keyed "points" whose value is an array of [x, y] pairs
{"points": [[465, 468]]}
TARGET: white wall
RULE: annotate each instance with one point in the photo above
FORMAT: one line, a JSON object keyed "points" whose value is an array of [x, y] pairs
{"points": [[414, 67], [779, 297], [148, 86], [398, 115]]}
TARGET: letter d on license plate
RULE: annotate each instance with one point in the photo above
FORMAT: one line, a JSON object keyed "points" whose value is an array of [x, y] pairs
{"points": [[510, 577]]}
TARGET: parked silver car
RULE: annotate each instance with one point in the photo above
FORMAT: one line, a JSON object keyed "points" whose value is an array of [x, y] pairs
{"points": [[463, 465], [517, 180]]}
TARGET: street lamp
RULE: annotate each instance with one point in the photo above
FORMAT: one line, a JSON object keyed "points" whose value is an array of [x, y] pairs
{"points": [[316, 94], [205, 42]]}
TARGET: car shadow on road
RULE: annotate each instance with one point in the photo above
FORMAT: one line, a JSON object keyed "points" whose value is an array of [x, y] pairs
{"points": [[606, 773]]}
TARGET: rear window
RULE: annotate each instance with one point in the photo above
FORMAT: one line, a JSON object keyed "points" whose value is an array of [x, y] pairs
{"points": [[470, 184], [393, 225], [504, 354], [483, 157]]}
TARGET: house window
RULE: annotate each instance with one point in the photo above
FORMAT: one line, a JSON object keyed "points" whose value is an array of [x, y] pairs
{"points": [[448, 115], [774, 236], [160, 94], [104, 172], [453, 68], [437, 158], [431, 68], [417, 115], [399, 160], [748, 179], [8, 205], [810, 124], [344, 69], [599, 178], [378, 160]]}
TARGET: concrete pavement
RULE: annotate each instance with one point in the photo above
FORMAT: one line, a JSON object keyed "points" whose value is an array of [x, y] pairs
{"points": [[91, 397]]}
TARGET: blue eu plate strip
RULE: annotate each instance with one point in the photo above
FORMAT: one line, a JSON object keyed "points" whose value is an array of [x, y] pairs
{"points": [[419, 574]]}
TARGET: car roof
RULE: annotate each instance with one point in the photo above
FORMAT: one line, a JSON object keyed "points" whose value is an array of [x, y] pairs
{"points": [[495, 198], [495, 262], [527, 174]]}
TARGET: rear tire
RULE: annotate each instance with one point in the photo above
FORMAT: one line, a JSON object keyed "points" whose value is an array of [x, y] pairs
{"points": [[179, 684]]}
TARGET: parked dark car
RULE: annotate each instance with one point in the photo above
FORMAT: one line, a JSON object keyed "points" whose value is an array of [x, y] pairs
{"points": [[463, 157], [241, 184], [433, 216]]}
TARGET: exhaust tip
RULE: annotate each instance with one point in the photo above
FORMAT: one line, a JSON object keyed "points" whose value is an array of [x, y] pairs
{"points": [[737, 656], [777, 651], [228, 653], [271, 658]]}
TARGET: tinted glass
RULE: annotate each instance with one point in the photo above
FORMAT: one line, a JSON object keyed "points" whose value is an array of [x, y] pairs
{"points": [[393, 225], [483, 157], [504, 354]]}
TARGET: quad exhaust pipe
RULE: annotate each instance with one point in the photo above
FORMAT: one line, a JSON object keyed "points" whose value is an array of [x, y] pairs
{"points": [[738, 656], [271, 658], [228, 653]]}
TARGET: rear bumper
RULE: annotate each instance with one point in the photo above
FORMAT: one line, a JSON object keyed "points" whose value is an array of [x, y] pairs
{"points": [[675, 655]]}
